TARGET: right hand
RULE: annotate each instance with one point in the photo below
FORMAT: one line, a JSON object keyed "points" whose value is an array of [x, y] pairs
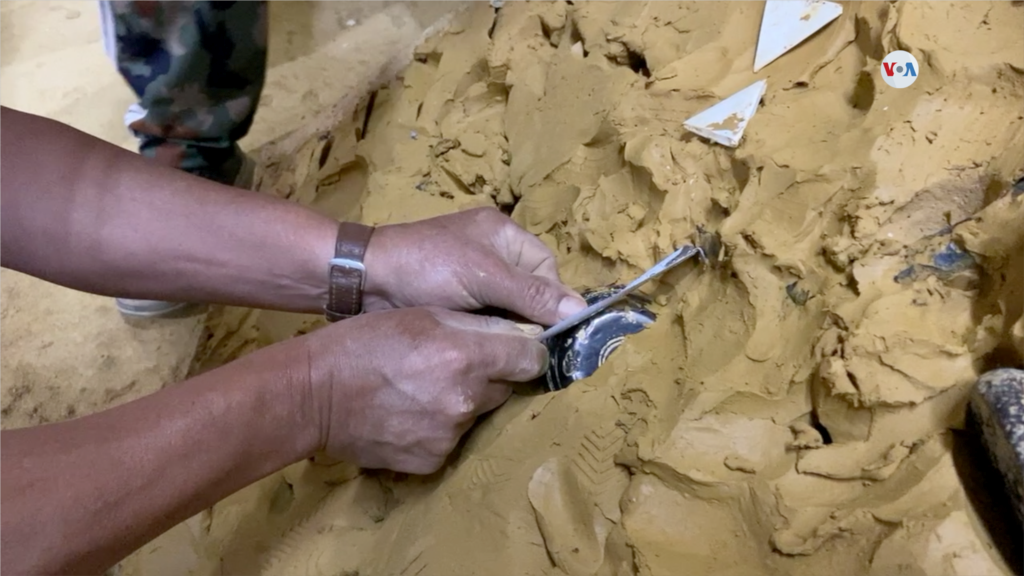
{"points": [[466, 261], [396, 389]]}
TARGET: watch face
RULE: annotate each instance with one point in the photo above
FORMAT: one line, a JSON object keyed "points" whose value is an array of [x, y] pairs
{"points": [[577, 353]]}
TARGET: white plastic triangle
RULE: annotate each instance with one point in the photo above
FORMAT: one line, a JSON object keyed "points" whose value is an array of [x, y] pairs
{"points": [[787, 23], [725, 122]]}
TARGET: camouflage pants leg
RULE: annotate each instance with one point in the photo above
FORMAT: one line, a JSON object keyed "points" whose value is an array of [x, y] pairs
{"points": [[197, 69]]}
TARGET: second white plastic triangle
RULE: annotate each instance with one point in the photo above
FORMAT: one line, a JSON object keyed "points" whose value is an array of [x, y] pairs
{"points": [[787, 23], [725, 122]]}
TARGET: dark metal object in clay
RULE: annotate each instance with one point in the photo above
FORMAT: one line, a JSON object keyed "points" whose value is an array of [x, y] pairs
{"points": [[996, 412], [578, 353]]}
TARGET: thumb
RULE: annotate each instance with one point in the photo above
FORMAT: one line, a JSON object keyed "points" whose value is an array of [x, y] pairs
{"points": [[537, 298]]}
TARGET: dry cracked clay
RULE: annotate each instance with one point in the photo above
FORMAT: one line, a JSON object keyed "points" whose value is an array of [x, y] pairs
{"points": [[790, 411]]}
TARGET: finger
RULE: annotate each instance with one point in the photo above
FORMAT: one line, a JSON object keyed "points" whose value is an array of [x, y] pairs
{"points": [[494, 394], [499, 347], [519, 247], [527, 252], [534, 297], [523, 279], [531, 330], [511, 358], [485, 323]]}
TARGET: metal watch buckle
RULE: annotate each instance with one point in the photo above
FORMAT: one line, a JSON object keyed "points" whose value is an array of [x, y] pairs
{"points": [[348, 264]]}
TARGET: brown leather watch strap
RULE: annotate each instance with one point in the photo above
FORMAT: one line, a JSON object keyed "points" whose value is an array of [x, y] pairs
{"points": [[346, 273]]}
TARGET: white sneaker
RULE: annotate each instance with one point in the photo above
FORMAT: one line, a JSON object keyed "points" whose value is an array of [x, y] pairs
{"points": [[148, 308]]}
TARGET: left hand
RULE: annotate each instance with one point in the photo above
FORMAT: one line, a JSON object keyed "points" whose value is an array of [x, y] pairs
{"points": [[466, 261], [397, 389]]}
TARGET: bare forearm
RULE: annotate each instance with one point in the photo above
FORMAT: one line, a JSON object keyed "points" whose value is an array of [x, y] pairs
{"points": [[80, 495], [83, 213]]}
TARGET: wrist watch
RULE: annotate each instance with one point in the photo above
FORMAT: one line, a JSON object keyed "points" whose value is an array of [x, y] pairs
{"points": [[346, 273]]}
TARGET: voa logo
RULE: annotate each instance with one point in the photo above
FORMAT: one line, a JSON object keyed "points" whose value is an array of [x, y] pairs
{"points": [[899, 69]]}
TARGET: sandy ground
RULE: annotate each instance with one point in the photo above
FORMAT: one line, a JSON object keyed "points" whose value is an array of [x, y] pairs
{"points": [[794, 394], [65, 353], [796, 408]]}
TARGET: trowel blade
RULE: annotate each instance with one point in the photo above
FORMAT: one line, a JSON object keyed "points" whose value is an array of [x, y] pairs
{"points": [[787, 23], [725, 122], [671, 261]]}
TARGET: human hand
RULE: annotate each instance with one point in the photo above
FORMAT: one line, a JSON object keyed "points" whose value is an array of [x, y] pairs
{"points": [[397, 389], [466, 261]]}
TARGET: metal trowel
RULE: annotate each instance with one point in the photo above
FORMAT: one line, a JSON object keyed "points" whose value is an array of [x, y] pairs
{"points": [[667, 263], [580, 344]]}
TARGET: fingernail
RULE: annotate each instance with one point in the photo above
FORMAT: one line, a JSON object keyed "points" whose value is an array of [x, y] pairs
{"points": [[569, 306], [530, 329]]}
